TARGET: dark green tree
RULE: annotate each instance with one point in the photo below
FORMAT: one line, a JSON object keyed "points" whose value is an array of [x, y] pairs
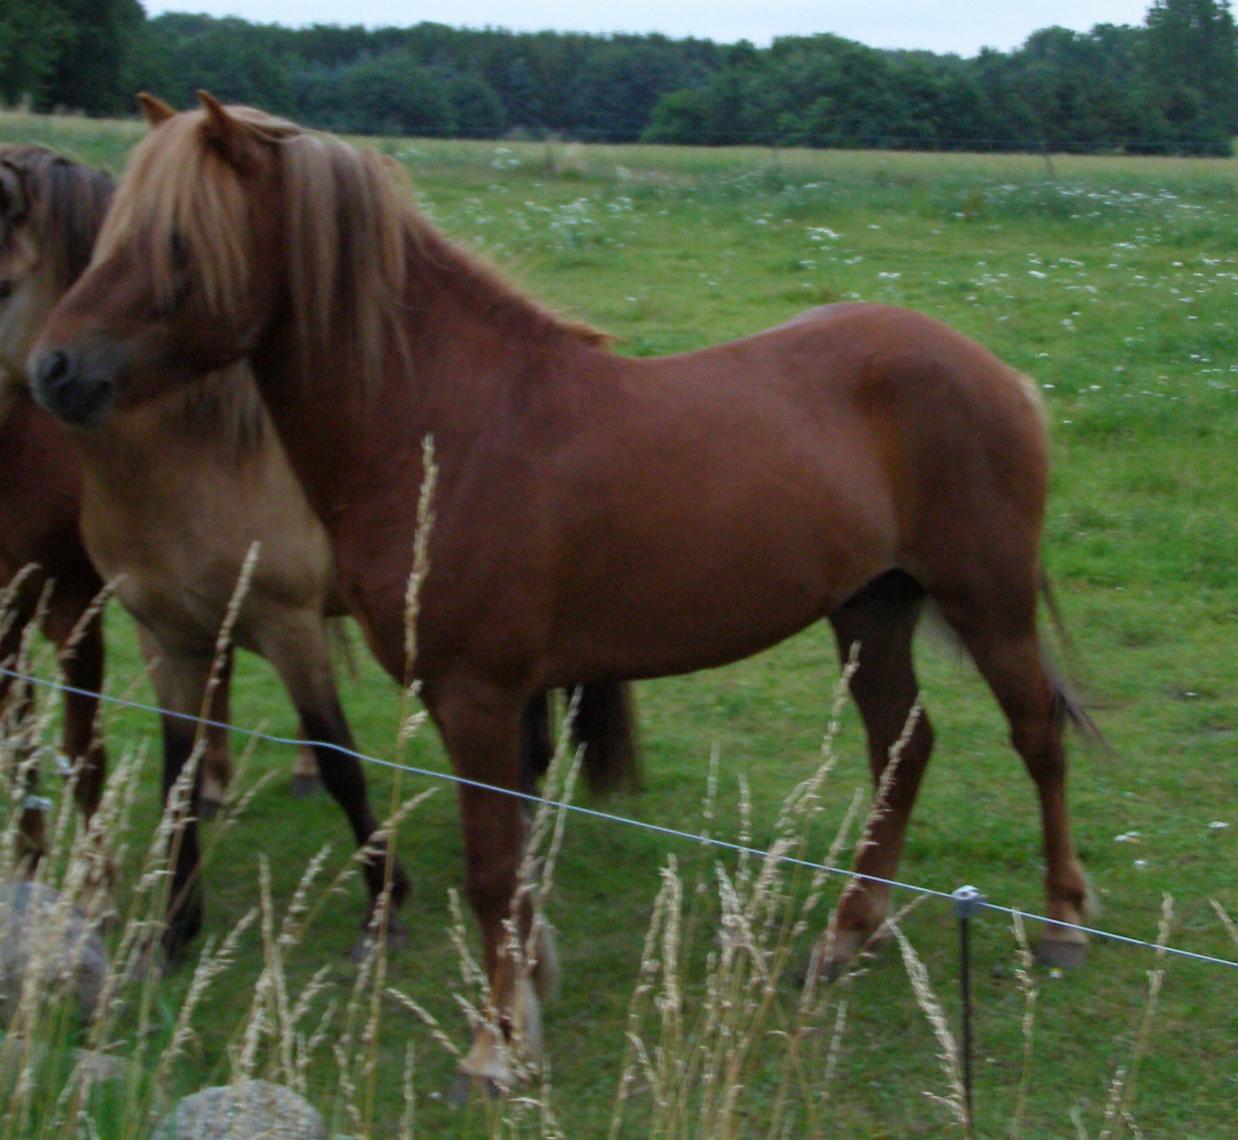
{"points": [[1189, 53], [32, 35], [92, 71], [392, 94]]}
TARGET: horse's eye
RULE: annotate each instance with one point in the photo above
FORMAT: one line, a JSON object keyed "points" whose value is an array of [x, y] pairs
{"points": [[6, 289]]}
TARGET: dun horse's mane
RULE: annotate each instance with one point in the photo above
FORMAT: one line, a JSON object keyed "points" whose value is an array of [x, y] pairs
{"points": [[66, 205], [354, 238]]}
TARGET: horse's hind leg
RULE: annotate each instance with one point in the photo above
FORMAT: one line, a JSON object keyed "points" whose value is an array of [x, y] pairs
{"points": [[881, 621], [1001, 636]]}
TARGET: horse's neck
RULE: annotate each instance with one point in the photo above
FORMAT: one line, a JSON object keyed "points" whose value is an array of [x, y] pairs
{"points": [[461, 359]]}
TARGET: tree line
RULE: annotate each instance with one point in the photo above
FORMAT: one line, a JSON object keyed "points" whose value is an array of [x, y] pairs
{"points": [[1169, 86]]}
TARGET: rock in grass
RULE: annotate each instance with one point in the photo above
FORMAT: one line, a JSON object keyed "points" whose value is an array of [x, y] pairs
{"points": [[252, 1110], [39, 931]]}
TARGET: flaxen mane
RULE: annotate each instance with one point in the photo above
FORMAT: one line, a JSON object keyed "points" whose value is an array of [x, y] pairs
{"points": [[355, 240]]}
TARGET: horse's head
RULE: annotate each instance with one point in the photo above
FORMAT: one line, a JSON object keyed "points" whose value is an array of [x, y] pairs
{"points": [[27, 290], [183, 278], [50, 211]]}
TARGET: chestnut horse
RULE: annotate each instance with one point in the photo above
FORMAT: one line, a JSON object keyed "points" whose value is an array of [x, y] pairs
{"points": [[174, 493], [46, 574], [595, 517]]}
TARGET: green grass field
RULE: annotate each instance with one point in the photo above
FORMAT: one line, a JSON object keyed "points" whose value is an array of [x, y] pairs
{"points": [[1113, 283]]}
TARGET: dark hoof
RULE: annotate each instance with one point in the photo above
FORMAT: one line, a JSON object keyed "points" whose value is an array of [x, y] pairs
{"points": [[464, 1087], [305, 787], [1060, 955], [209, 809], [397, 940], [147, 963]]}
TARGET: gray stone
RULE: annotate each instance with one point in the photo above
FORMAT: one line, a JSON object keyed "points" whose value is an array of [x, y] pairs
{"points": [[252, 1110], [37, 932]]}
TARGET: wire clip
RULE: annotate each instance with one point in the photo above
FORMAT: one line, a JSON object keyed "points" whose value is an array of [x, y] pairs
{"points": [[968, 901]]}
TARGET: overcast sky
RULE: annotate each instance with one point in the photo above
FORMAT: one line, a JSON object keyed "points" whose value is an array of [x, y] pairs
{"points": [[962, 26]]}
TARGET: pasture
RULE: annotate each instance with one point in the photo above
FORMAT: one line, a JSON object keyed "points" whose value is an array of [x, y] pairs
{"points": [[1111, 282]]}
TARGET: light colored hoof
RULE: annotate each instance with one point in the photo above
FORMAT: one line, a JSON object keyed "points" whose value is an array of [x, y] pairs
{"points": [[545, 958], [464, 1087], [1059, 954], [837, 953]]}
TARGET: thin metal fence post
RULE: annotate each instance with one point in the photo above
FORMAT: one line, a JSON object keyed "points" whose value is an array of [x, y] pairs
{"points": [[968, 901]]}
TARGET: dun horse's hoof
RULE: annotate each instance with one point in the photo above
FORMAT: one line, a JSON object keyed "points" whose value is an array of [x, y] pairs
{"points": [[304, 787], [397, 939], [208, 809], [465, 1085], [1061, 955]]}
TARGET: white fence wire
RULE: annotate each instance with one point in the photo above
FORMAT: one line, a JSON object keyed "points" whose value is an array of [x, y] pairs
{"points": [[952, 897]]}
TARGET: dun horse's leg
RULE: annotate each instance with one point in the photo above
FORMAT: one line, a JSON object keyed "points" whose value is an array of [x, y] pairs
{"points": [[216, 762], [880, 620], [295, 644], [1006, 649], [481, 729], [185, 681]]}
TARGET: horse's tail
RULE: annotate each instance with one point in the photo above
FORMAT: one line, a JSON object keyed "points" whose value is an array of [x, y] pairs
{"points": [[605, 726], [1068, 706]]}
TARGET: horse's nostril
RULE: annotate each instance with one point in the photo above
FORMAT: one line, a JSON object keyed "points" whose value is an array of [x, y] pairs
{"points": [[52, 369]]}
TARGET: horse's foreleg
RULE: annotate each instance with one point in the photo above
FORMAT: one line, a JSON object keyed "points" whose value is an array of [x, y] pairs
{"points": [[82, 665], [173, 679], [81, 661], [481, 729], [181, 681], [296, 646], [16, 701], [879, 623]]}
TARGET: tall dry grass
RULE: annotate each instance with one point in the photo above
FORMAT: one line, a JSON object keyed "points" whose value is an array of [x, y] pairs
{"points": [[721, 1038]]}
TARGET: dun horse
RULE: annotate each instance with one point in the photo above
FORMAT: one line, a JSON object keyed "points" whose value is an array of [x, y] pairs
{"points": [[595, 517], [171, 495]]}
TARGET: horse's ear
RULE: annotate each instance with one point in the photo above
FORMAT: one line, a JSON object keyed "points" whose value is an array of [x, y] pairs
{"points": [[154, 110], [228, 135]]}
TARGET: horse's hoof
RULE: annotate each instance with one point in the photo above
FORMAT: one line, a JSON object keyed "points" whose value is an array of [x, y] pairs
{"points": [[465, 1085], [148, 963], [396, 940], [305, 787], [1061, 955], [209, 809]]}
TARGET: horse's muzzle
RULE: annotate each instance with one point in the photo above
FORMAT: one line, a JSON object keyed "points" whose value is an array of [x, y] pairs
{"points": [[66, 384]]}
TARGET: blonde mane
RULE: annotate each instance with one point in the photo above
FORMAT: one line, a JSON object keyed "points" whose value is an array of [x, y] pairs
{"points": [[353, 237]]}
